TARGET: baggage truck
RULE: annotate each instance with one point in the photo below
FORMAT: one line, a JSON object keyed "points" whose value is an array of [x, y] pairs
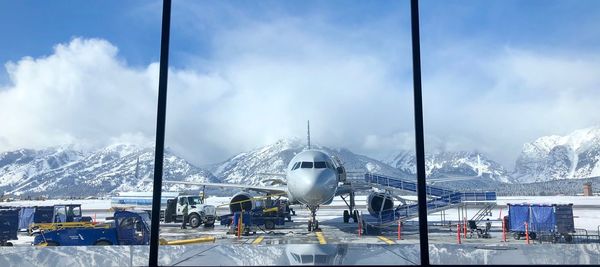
{"points": [[261, 217], [551, 220], [63, 215], [128, 228], [35, 214]]}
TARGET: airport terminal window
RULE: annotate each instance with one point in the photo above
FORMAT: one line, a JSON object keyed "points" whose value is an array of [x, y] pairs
{"points": [[503, 139]]}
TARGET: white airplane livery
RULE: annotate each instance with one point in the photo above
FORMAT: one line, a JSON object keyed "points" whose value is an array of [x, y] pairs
{"points": [[313, 177]]}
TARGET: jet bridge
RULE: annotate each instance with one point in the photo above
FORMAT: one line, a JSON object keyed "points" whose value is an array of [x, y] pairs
{"points": [[438, 199]]}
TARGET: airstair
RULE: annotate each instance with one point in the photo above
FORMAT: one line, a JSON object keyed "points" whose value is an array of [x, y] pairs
{"points": [[438, 199]]}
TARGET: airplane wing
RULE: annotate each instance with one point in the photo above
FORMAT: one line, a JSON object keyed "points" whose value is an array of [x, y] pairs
{"points": [[262, 189], [271, 174]]}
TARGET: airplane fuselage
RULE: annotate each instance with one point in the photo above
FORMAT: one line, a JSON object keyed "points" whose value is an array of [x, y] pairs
{"points": [[312, 178]]}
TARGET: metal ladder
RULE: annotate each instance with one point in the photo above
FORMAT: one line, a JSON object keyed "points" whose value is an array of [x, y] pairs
{"points": [[483, 212]]}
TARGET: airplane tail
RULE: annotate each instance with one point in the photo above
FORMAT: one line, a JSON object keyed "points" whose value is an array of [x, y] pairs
{"points": [[308, 133]]}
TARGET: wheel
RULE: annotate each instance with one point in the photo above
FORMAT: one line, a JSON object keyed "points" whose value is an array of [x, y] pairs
{"points": [[355, 216], [9, 244], [309, 226], [316, 225], [208, 225], [103, 243], [346, 216], [533, 236], [52, 244], [269, 224], [194, 220]]}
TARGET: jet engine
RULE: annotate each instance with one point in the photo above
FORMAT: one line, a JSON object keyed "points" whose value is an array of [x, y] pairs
{"points": [[379, 202], [241, 201]]}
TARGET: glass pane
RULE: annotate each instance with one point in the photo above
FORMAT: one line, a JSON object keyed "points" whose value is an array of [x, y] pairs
{"points": [[242, 86], [510, 99], [78, 92]]}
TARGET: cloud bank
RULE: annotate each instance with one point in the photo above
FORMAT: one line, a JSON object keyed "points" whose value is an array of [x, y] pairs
{"points": [[262, 81]]}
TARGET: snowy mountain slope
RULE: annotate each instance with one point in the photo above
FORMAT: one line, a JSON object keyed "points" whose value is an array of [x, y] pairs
{"points": [[246, 168], [574, 156], [66, 172], [452, 164]]}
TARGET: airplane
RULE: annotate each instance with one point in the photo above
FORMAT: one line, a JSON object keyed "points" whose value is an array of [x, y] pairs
{"points": [[314, 178]]}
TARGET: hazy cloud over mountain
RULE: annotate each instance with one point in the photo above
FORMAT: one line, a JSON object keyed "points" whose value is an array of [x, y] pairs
{"points": [[246, 80]]}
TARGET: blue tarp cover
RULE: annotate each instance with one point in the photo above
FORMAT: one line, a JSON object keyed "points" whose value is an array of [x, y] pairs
{"points": [[26, 217], [517, 216], [542, 219]]}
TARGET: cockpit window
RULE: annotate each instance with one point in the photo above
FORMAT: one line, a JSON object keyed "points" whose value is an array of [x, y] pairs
{"points": [[320, 259], [320, 165], [307, 258], [306, 165], [296, 165]]}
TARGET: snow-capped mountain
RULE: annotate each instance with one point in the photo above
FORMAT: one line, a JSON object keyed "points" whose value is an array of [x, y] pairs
{"points": [[452, 164], [573, 156], [250, 167], [63, 171]]}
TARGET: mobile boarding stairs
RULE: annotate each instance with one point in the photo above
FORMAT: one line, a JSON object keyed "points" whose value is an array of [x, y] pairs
{"points": [[438, 199]]}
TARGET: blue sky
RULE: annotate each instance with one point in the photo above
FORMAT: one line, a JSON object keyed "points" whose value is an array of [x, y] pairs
{"points": [[241, 68]]}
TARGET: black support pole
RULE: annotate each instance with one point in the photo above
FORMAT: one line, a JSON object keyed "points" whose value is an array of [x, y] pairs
{"points": [[419, 135], [160, 132]]}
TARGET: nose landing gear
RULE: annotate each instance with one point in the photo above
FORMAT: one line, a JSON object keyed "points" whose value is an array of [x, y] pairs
{"points": [[313, 224]]}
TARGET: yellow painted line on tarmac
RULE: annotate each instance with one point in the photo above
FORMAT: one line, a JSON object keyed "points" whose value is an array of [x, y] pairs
{"points": [[258, 240], [321, 238], [188, 241], [386, 240]]}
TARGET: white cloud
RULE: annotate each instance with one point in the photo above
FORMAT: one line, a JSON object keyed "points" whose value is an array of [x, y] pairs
{"points": [[81, 93], [263, 81]]}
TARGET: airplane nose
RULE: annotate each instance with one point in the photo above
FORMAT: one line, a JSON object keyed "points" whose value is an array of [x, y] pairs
{"points": [[321, 188]]}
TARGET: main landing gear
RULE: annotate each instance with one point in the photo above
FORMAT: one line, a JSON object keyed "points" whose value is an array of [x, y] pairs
{"points": [[313, 224], [351, 212]]}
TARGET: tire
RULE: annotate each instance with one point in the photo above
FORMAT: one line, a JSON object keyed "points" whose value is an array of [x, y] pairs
{"points": [[52, 244], [269, 224], [346, 216], [533, 236], [103, 243], [355, 216], [9, 244], [208, 225], [309, 226], [194, 220]]}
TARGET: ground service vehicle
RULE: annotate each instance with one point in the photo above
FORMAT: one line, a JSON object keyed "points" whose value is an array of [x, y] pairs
{"points": [[9, 225], [198, 212], [63, 215], [36, 214], [267, 218], [171, 206], [552, 221], [128, 228]]}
